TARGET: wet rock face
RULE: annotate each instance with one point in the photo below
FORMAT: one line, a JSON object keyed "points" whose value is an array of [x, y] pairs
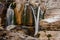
{"points": [[52, 8], [52, 11], [53, 4]]}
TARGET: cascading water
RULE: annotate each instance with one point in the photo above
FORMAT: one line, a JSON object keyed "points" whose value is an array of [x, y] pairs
{"points": [[10, 16], [36, 20], [39, 15]]}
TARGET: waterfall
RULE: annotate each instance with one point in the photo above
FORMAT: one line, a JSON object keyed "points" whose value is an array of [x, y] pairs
{"points": [[10, 16], [36, 20]]}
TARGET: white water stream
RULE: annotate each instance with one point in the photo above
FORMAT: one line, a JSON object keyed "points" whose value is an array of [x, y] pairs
{"points": [[36, 20], [10, 16]]}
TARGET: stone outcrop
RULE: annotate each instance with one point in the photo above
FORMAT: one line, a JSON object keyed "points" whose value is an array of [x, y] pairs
{"points": [[52, 11]]}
